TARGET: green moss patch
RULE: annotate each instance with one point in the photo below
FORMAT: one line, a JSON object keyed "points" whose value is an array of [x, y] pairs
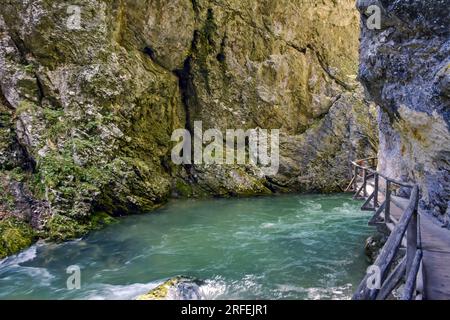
{"points": [[61, 228], [162, 291], [15, 235]]}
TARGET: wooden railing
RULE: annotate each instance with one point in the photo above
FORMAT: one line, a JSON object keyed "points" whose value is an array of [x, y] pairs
{"points": [[403, 232]]}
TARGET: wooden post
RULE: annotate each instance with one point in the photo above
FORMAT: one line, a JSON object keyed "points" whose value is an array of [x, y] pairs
{"points": [[411, 238], [387, 207], [355, 175], [419, 282], [375, 196], [365, 182]]}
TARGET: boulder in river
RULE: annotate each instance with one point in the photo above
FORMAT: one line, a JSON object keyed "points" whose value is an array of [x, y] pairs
{"points": [[373, 246], [177, 288]]}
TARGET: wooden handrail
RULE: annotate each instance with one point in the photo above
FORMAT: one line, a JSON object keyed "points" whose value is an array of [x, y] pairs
{"points": [[407, 225], [392, 281], [390, 249], [408, 293], [360, 166], [372, 170]]}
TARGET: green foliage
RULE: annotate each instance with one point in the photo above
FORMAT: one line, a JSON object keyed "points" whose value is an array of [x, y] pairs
{"points": [[29, 68], [61, 228], [100, 219], [56, 167], [25, 106], [18, 174], [184, 189], [56, 123], [7, 200]]}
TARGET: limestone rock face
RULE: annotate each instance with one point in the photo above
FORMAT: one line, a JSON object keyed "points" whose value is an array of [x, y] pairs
{"points": [[287, 65], [405, 67], [90, 96], [92, 111]]}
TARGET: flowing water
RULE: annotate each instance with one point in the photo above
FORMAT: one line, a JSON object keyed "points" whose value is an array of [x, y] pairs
{"points": [[284, 247]]}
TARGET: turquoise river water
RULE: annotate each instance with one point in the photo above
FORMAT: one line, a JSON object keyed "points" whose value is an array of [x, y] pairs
{"points": [[283, 247]]}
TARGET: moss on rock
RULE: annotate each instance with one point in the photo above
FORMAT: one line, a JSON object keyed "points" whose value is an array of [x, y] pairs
{"points": [[177, 288], [183, 189], [61, 228], [15, 235]]}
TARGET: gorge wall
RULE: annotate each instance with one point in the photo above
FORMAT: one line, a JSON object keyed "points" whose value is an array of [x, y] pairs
{"points": [[405, 67], [87, 113]]}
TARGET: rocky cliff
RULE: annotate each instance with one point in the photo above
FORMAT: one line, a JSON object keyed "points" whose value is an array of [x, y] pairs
{"points": [[405, 67], [91, 92]]}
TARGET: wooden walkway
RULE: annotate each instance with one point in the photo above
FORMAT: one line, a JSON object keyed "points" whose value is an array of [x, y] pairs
{"points": [[425, 268]]}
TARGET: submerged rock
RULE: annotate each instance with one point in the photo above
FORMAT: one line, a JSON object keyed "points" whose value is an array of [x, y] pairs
{"points": [[178, 288]]}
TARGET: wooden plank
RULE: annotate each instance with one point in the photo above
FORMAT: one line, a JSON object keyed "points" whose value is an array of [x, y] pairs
{"points": [[375, 191], [420, 284], [411, 239], [436, 275], [432, 235], [365, 183], [387, 207]]}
